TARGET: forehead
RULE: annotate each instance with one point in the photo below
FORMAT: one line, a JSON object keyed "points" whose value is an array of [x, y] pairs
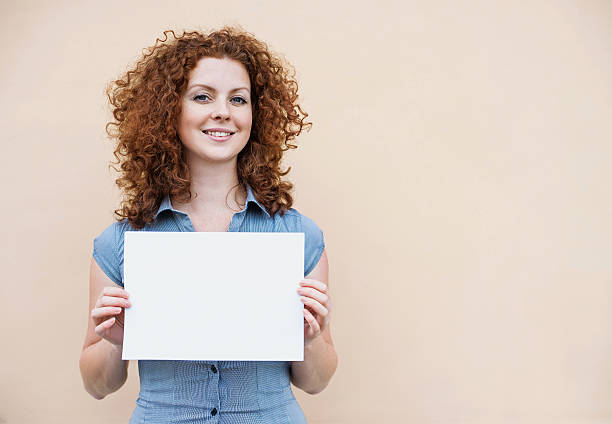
{"points": [[219, 73]]}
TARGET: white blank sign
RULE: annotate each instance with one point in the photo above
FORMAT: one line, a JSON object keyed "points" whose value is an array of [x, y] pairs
{"points": [[214, 296]]}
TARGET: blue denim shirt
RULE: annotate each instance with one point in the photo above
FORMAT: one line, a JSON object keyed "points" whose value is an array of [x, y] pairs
{"points": [[248, 392]]}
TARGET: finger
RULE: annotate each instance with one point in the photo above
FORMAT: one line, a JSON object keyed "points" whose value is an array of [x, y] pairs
{"points": [[319, 285], [314, 324], [323, 321], [106, 311], [313, 293], [115, 291], [113, 301], [313, 313], [101, 329], [316, 306], [120, 321]]}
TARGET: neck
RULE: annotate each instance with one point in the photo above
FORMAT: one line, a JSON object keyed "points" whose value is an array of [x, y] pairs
{"points": [[214, 187]]}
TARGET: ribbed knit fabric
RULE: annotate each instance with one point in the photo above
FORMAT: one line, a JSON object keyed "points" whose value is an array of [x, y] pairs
{"points": [[226, 392]]}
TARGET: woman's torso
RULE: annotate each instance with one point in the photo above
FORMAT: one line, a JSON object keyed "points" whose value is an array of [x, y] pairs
{"points": [[219, 391], [215, 391]]}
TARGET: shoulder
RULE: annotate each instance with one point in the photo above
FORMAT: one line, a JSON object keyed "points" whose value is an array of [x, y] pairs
{"points": [[294, 218], [314, 242], [108, 250], [112, 235]]}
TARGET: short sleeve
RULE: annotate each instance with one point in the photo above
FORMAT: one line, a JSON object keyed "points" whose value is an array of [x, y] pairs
{"points": [[314, 244], [108, 252]]}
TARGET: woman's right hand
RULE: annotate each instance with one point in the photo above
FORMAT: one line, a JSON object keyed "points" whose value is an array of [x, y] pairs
{"points": [[108, 314]]}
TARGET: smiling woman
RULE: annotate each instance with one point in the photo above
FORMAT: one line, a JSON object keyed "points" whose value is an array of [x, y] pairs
{"points": [[216, 115], [147, 102], [201, 124]]}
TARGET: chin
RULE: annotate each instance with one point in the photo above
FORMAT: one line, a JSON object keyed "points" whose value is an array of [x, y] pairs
{"points": [[216, 158], [215, 154]]}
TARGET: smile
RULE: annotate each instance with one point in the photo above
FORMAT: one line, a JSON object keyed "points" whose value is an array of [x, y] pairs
{"points": [[218, 133]]}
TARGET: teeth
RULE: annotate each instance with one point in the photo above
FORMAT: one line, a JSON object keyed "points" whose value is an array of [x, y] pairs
{"points": [[218, 133]]}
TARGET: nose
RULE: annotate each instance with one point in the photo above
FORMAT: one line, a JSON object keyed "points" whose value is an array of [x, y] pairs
{"points": [[221, 111]]}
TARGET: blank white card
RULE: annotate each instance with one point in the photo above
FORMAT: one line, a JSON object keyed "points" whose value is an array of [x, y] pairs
{"points": [[214, 296]]}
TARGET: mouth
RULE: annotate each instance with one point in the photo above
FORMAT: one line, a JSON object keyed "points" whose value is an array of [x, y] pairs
{"points": [[216, 133]]}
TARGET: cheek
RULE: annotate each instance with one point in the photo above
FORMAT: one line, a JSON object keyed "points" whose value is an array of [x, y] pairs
{"points": [[183, 119], [187, 121], [192, 113], [182, 130], [247, 120]]}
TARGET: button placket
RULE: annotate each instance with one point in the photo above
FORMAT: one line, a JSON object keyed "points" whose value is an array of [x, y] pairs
{"points": [[214, 374]]}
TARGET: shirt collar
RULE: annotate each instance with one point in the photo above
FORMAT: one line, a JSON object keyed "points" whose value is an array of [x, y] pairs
{"points": [[251, 199], [166, 204]]}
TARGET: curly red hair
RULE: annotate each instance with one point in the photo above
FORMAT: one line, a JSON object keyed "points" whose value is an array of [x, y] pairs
{"points": [[146, 104]]}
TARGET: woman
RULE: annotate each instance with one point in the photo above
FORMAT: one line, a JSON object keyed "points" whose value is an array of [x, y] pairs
{"points": [[202, 121]]}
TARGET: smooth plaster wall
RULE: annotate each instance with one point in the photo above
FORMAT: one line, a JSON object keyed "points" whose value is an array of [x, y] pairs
{"points": [[459, 164]]}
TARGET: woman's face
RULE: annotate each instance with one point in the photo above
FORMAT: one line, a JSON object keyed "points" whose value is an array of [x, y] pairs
{"points": [[216, 116]]}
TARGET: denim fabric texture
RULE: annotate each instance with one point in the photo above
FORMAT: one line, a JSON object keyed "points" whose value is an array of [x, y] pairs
{"points": [[226, 392]]}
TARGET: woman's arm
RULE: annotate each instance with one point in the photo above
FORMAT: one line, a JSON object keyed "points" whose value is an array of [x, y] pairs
{"points": [[102, 369], [320, 359]]}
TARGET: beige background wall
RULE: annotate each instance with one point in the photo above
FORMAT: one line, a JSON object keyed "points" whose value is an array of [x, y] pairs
{"points": [[459, 165]]}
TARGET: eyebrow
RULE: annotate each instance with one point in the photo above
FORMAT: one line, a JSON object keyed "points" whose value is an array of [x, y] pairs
{"points": [[212, 89]]}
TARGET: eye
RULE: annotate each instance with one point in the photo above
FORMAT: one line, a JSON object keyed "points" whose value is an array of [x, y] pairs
{"points": [[202, 97], [239, 100]]}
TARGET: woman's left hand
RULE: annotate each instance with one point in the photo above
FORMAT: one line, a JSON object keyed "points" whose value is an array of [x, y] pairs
{"points": [[316, 302]]}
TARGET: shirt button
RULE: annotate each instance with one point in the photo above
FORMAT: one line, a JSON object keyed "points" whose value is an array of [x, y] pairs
{"points": [[214, 412], [213, 368]]}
